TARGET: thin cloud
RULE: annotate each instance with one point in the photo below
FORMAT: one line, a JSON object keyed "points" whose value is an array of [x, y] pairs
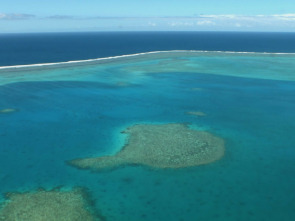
{"points": [[211, 17], [249, 21], [275, 22], [248, 17], [205, 22], [61, 17], [286, 17], [218, 16], [4, 16]]}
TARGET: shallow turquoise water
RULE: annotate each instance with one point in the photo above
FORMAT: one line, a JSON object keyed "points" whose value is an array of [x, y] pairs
{"points": [[78, 111]]}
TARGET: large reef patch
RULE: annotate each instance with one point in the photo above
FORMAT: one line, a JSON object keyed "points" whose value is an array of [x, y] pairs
{"points": [[53, 205], [160, 146]]}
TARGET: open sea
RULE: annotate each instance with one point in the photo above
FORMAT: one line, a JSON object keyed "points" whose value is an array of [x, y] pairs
{"points": [[239, 87]]}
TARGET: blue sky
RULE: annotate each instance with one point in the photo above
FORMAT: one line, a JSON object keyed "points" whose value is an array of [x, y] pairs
{"points": [[146, 15]]}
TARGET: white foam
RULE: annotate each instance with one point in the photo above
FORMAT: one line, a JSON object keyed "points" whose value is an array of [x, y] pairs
{"points": [[133, 55]]}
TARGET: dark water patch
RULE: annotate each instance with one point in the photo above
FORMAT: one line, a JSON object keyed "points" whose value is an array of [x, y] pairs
{"points": [[19, 49]]}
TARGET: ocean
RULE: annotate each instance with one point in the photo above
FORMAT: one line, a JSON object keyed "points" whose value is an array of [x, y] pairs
{"points": [[17, 49], [58, 121]]}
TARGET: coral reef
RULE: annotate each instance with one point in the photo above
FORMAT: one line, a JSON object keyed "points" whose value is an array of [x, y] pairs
{"points": [[197, 113], [160, 146], [44, 205], [7, 110]]}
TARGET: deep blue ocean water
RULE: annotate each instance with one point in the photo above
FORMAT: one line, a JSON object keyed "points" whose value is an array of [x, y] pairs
{"points": [[56, 47], [78, 111]]}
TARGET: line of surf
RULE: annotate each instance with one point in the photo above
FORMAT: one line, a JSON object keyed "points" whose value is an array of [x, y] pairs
{"points": [[134, 55]]}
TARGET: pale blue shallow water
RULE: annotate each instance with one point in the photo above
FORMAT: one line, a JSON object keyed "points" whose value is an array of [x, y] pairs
{"points": [[59, 120]]}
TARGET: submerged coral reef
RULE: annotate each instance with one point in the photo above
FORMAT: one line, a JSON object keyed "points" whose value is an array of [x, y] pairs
{"points": [[51, 205], [160, 146], [7, 110], [197, 113]]}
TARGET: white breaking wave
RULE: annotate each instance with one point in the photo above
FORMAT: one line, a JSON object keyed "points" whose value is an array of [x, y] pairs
{"points": [[133, 55]]}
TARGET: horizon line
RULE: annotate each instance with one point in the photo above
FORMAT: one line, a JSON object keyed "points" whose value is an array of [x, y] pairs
{"points": [[112, 31]]}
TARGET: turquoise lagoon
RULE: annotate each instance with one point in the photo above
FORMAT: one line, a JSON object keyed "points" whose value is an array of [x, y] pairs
{"points": [[50, 114]]}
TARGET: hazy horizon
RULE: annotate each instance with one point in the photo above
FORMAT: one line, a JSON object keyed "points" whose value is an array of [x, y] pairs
{"points": [[131, 15]]}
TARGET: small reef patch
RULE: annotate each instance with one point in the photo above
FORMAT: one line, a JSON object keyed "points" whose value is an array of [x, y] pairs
{"points": [[122, 84], [160, 146], [197, 113], [196, 89], [7, 110], [48, 205]]}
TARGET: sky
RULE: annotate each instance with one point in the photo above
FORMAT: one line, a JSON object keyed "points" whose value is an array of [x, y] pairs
{"points": [[24, 16]]}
